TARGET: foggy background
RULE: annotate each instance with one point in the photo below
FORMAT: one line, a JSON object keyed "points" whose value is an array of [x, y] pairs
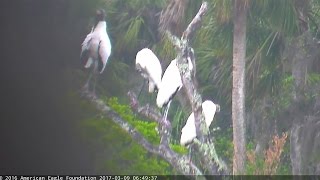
{"points": [[38, 133]]}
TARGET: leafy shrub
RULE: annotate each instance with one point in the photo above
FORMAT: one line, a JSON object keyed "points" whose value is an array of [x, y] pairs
{"points": [[267, 165]]}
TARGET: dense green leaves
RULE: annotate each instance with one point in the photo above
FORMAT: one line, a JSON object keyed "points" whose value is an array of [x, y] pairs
{"points": [[120, 154], [121, 149]]}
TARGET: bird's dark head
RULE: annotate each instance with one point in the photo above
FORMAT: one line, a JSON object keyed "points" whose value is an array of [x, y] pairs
{"points": [[156, 89], [100, 15], [218, 108], [138, 68]]}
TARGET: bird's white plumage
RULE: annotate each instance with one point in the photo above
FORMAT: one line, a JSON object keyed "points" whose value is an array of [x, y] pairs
{"points": [[85, 44], [188, 132], [98, 45], [171, 83], [150, 68]]}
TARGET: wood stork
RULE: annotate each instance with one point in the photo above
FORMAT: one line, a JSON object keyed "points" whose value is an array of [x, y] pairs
{"points": [[149, 66], [171, 83], [96, 48], [188, 132]]}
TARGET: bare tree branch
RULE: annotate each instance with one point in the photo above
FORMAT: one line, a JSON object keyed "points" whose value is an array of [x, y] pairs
{"points": [[151, 113], [185, 53], [195, 23], [146, 110], [174, 40]]}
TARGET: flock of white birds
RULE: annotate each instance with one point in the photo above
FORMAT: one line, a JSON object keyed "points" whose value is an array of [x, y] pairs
{"points": [[149, 66], [96, 49]]}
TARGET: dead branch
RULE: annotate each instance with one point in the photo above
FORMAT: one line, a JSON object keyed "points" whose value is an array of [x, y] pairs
{"points": [[182, 62], [185, 53], [195, 23]]}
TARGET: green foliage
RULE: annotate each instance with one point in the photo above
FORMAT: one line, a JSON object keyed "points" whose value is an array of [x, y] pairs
{"points": [[122, 155], [250, 146], [146, 128], [116, 73], [131, 26], [283, 100], [252, 168], [179, 149], [313, 78], [130, 38], [270, 22], [285, 163], [270, 161], [314, 17], [280, 16], [177, 123], [165, 51], [140, 162], [224, 145], [313, 81]]}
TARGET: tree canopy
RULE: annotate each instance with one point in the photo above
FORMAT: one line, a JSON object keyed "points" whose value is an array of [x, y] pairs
{"points": [[282, 62]]}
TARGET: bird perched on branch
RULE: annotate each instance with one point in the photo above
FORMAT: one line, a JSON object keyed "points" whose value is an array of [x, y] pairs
{"points": [[188, 132], [96, 49], [149, 67], [171, 83]]}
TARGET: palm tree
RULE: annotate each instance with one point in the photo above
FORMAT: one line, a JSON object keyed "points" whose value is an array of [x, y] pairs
{"points": [[238, 91]]}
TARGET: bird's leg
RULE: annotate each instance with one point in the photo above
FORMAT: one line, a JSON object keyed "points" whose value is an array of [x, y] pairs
{"points": [[151, 97], [190, 154], [144, 83], [86, 86], [167, 110], [94, 85], [95, 76], [85, 89]]}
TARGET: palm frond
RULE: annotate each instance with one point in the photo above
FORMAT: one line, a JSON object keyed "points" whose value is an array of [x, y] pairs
{"points": [[171, 17]]}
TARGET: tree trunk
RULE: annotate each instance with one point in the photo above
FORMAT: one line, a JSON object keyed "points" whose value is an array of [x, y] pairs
{"points": [[238, 91]]}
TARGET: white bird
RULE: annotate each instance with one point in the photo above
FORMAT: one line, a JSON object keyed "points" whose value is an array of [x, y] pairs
{"points": [[171, 83], [96, 48], [188, 132], [149, 66]]}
